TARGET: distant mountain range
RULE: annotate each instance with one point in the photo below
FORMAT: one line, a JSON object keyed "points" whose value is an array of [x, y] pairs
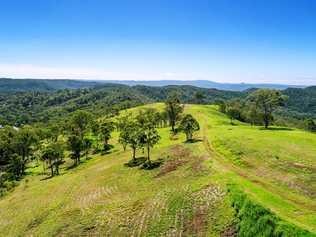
{"points": [[207, 84], [15, 85]]}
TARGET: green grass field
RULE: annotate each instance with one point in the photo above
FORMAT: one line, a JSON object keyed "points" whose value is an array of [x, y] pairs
{"points": [[186, 196]]}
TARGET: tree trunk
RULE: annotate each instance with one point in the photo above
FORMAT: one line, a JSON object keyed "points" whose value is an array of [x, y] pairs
{"points": [[23, 163], [148, 153], [52, 169], [266, 121], [57, 169], [134, 153], [190, 136], [22, 169], [79, 155]]}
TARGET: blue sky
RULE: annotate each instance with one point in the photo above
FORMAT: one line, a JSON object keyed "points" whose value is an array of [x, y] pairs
{"points": [[220, 40]]}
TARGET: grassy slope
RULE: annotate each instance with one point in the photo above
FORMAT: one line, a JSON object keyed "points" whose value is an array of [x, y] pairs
{"points": [[274, 167]]}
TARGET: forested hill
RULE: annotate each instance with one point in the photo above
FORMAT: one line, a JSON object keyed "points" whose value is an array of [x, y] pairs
{"points": [[19, 85], [301, 101], [40, 106]]}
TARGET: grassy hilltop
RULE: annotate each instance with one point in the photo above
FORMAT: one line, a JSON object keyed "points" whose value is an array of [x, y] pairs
{"points": [[190, 194]]}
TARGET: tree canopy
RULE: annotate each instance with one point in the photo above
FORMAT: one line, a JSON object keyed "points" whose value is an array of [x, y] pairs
{"points": [[173, 109], [267, 101], [189, 125]]}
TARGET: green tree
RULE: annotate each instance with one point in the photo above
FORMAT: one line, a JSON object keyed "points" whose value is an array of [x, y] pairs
{"points": [[148, 136], [123, 124], [8, 169], [164, 118], [122, 121], [53, 155], [106, 127], [87, 144], [221, 106], [173, 109], [199, 97], [310, 125], [133, 135], [80, 122], [267, 101], [24, 144], [75, 145], [233, 110], [253, 116], [189, 125], [54, 130], [158, 119]]}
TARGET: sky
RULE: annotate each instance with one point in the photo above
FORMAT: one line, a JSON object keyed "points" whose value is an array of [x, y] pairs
{"points": [[252, 41]]}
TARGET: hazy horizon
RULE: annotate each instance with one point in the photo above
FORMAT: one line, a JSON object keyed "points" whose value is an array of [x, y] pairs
{"points": [[223, 41], [176, 80]]}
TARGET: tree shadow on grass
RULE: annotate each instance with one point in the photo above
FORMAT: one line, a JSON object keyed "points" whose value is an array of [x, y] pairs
{"points": [[194, 140], [276, 129], [152, 165], [47, 178], [107, 149], [88, 158], [135, 162], [143, 163], [73, 166]]}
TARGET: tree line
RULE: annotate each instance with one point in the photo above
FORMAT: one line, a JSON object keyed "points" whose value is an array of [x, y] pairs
{"points": [[80, 134], [263, 107], [257, 108]]}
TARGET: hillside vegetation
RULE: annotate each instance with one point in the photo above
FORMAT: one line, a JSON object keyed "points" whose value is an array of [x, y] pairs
{"points": [[231, 178], [37, 106], [43, 106], [23, 85]]}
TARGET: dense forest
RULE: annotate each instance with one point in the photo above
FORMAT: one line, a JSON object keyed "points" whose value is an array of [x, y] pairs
{"points": [[18, 85], [18, 108], [29, 107]]}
